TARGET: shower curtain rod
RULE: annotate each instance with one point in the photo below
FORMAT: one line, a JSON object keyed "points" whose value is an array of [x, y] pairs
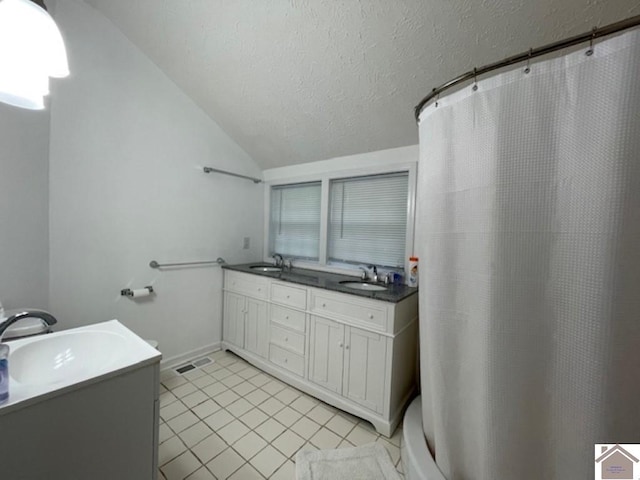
{"points": [[532, 53]]}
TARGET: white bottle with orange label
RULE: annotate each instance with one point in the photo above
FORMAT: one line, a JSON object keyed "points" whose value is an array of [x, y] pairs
{"points": [[412, 277]]}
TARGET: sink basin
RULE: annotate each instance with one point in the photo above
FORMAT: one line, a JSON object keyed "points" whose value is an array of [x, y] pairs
{"points": [[266, 268], [372, 287], [57, 357]]}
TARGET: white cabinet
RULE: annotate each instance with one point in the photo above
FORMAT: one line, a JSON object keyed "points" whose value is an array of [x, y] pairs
{"points": [[326, 360], [349, 361], [245, 321], [355, 353], [104, 428], [256, 331], [287, 348], [287, 360], [365, 360], [233, 320]]}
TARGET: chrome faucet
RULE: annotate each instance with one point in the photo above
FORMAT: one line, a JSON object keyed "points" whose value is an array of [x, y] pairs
{"points": [[278, 258], [365, 273], [375, 273], [46, 318]]}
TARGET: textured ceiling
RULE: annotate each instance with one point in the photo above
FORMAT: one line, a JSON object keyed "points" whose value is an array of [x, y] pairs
{"points": [[295, 81]]}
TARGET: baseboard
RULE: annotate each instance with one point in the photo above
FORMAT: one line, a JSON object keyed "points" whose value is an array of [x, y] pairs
{"points": [[172, 362]]}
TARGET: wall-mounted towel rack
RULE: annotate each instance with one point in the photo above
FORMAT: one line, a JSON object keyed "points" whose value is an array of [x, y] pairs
{"points": [[217, 261], [224, 172]]}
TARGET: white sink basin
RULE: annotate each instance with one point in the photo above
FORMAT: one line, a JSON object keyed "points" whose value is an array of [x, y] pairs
{"points": [[371, 287], [58, 357]]}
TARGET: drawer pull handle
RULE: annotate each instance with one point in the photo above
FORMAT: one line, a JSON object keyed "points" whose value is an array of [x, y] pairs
{"points": [[347, 347], [286, 360], [371, 316], [286, 317], [288, 296], [324, 305], [286, 339], [259, 289], [340, 344]]}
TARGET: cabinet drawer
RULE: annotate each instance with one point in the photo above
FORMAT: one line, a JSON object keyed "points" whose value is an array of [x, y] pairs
{"points": [[287, 295], [287, 360], [251, 285], [348, 308], [287, 339], [287, 317]]}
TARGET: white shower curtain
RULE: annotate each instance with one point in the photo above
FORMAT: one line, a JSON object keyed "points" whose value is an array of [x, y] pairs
{"points": [[528, 233]]}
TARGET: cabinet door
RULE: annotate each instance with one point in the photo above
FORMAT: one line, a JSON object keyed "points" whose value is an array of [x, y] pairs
{"points": [[365, 360], [325, 353], [233, 319], [256, 332]]}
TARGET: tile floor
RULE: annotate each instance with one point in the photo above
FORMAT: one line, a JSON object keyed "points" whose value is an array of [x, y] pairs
{"points": [[231, 420]]}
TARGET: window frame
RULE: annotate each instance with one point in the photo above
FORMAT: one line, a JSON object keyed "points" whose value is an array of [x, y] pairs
{"points": [[325, 179], [284, 187]]}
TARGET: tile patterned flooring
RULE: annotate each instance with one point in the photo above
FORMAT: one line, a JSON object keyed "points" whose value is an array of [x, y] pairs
{"points": [[231, 420]]}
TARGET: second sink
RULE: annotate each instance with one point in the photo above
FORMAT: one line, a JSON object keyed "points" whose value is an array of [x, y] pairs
{"points": [[372, 287]]}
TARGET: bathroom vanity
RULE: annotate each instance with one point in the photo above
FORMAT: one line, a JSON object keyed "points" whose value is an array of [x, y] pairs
{"points": [[354, 349], [83, 405]]}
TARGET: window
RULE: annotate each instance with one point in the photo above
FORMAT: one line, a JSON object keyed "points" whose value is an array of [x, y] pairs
{"points": [[368, 220], [294, 224], [333, 221]]}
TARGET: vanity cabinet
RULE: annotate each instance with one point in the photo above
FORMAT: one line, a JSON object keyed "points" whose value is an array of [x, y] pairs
{"points": [[256, 333], [348, 361], [365, 359], [288, 326], [326, 354], [356, 353], [95, 423], [233, 320], [245, 322]]}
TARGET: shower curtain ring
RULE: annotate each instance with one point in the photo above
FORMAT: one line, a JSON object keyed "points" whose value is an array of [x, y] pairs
{"points": [[475, 79], [437, 98], [589, 51], [527, 69]]}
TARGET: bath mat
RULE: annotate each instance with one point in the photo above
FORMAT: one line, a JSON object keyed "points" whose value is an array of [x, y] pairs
{"points": [[368, 462]]}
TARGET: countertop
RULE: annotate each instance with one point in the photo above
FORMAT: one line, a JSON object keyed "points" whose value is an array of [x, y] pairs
{"points": [[327, 281]]}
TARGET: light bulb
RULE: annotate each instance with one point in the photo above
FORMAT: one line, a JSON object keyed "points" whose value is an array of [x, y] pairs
{"points": [[31, 51]]}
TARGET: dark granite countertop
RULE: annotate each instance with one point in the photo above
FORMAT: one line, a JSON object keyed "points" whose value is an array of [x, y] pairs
{"points": [[327, 281]]}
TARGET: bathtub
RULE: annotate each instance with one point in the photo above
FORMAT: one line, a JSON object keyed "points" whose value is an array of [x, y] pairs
{"points": [[417, 462]]}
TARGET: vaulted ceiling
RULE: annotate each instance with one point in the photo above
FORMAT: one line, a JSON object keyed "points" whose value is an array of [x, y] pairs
{"points": [[294, 81]]}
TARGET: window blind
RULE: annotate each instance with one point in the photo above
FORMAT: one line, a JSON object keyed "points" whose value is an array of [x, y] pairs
{"points": [[368, 220], [294, 228]]}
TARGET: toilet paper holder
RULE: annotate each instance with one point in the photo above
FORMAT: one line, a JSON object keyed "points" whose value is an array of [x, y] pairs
{"points": [[127, 292]]}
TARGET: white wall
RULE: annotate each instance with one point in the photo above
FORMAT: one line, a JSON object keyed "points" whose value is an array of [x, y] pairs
{"points": [[127, 150], [380, 159], [24, 207]]}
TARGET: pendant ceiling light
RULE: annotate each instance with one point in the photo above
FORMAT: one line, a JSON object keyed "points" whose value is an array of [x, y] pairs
{"points": [[31, 51]]}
